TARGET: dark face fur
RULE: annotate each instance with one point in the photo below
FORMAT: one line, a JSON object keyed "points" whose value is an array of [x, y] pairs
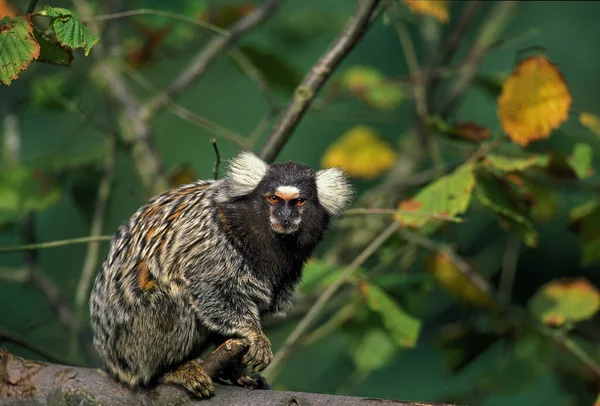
{"points": [[289, 194]]}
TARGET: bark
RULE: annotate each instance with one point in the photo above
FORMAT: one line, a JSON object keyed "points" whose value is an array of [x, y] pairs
{"points": [[32, 383]]}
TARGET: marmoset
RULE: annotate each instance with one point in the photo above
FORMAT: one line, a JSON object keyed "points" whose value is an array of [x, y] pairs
{"points": [[207, 260]]}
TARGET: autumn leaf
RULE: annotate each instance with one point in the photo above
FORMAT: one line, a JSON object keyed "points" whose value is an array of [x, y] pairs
{"points": [[457, 283], [534, 101], [565, 301], [144, 54], [18, 45], [7, 9], [471, 131], [361, 152], [437, 9], [449, 195]]}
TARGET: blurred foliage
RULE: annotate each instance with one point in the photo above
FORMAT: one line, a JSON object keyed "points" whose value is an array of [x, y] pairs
{"points": [[500, 308]]}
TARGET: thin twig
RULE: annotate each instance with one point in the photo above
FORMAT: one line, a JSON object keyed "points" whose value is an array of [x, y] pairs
{"points": [[186, 114], [217, 160], [208, 56], [366, 210], [53, 295], [31, 6], [306, 322], [135, 130], [509, 269], [91, 258], [16, 339], [314, 80], [453, 41], [54, 244], [19, 275], [261, 127], [492, 27], [235, 53]]}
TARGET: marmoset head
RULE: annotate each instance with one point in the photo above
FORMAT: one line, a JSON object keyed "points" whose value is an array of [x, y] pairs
{"points": [[294, 195]]}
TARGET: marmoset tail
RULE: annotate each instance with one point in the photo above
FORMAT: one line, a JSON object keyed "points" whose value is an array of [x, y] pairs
{"points": [[205, 262]]}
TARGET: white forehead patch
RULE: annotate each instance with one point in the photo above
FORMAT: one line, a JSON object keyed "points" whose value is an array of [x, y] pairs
{"points": [[333, 190], [288, 191], [244, 173]]}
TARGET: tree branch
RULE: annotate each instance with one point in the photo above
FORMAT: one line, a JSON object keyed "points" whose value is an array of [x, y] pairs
{"points": [[39, 383], [208, 56], [493, 25], [314, 80]]}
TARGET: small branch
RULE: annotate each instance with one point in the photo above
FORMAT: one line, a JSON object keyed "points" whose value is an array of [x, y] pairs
{"points": [[13, 338], [91, 258], [54, 244], [492, 26], [314, 80], [53, 295], [19, 275], [31, 6], [236, 54], [208, 56], [453, 41], [185, 114], [509, 270], [218, 159], [302, 327]]}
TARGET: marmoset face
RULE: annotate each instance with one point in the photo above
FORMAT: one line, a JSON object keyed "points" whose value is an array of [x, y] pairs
{"points": [[286, 206]]}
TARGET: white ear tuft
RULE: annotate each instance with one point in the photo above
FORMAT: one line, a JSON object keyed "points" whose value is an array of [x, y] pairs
{"points": [[334, 190], [244, 173]]}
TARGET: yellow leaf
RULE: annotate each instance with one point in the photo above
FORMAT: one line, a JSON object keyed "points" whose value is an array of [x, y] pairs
{"points": [[534, 101], [361, 152], [434, 8], [591, 122], [455, 282]]}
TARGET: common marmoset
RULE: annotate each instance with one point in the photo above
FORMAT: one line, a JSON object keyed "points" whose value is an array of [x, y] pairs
{"points": [[206, 260]]}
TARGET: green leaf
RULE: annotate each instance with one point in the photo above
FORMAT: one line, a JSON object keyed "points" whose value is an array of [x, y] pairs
{"points": [[23, 190], [514, 164], [581, 160], [403, 327], [565, 301], [449, 195], [374, 350], [317, 273], [276, 70], [52, 52], [69, 30], [18, 47], [501, 199], [371, 87], [385, 96]]}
